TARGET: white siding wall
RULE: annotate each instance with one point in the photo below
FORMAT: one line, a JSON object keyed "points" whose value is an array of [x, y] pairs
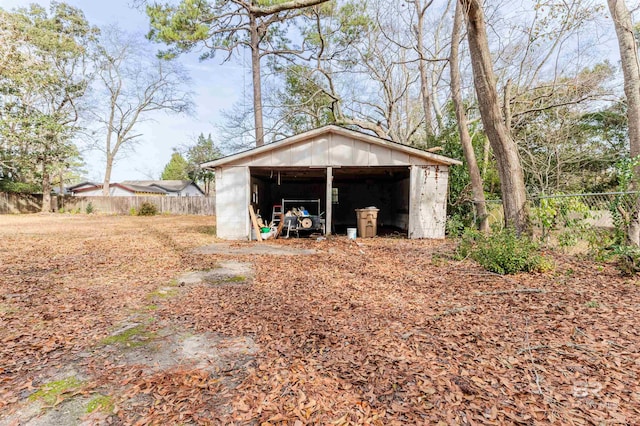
{"points": [[428, 201], [188, 191], [191, 191], [332, 150], [232, 202]]}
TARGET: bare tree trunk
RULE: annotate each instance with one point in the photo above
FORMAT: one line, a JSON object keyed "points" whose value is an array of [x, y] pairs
{"points": [[631, 71], [109, 159], [485, 157], [507, 105], [46, 188], [477, 187], [107, 175], [255, 74], [422, 67], [514, 195], [61, 182]]}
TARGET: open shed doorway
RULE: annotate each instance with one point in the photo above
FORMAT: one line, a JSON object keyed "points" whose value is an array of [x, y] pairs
{"points": [[299, 187], [386, 188]]}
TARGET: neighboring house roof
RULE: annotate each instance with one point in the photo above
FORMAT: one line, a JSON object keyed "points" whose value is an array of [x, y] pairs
{"points": [[143, 188], [166, 185], [79, 185], [331, 128], [129, 188]]}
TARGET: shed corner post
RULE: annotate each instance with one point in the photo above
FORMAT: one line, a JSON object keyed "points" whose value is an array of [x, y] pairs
{"points": [[247, 194], [413, 171], [328, 202]]}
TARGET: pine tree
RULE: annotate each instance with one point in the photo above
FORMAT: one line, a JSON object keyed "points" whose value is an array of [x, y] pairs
{"points": [[176, 168]]}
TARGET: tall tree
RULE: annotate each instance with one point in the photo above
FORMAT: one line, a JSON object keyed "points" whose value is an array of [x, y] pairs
{"points": [[357, 76], [41, 83], [631, 71], [430, 66], [176, 169], [226, 25], [547, 54], [560, 150], [477, 187], [514, 195], [303, 102], [133, 84], [204, 150]]}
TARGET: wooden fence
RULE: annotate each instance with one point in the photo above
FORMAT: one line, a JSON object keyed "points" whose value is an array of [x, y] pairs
{"points": [[26, 203], [20, 203]]}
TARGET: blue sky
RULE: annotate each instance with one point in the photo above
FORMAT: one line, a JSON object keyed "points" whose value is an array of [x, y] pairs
{"points": [[216, 87]]}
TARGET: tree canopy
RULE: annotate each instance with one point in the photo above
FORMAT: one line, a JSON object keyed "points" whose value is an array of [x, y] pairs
{"points": [[202, 151], [176, 169], [42, 80]]}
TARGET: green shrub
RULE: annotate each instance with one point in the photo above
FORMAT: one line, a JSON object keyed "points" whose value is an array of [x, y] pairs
{"points": [[503, 252], [455, 225], [147, 209], [627, 258], [133, 211], [23, 188], [89, 208], [570, 214]]}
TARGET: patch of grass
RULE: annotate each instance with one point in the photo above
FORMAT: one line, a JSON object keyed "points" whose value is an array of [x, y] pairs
{"points": [[101, 403], [592, 304], [237, 279], [163, 293], [131, 337], [6, 309], [151, 307], [52, 391], [207, 230], [439, 259]]}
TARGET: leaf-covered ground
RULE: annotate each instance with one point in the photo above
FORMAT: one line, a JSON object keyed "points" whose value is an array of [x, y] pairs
{"points": [[383, 331]]}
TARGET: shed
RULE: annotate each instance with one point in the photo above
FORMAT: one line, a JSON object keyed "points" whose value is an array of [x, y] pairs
{"points": [[340, 169]]}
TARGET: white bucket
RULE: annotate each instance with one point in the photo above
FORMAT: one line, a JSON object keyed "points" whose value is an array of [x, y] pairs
{"points": [[351, 233]]}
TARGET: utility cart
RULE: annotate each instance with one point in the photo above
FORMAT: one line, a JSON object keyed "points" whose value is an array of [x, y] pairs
{"points": [[298, 217]]}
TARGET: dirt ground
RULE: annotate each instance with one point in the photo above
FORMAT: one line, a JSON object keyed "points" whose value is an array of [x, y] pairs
{"points": [[131, 320]]}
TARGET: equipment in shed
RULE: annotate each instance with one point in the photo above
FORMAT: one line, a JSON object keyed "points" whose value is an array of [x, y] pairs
{"points": [[276, 215], [297, 217]]}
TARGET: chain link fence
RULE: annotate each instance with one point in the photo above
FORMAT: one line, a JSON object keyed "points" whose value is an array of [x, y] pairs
{"points": [[598, 201], [597, 210]]}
